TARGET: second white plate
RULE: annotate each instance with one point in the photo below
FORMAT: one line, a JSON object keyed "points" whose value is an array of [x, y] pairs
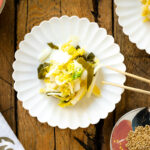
{"points": [[129, 13]]}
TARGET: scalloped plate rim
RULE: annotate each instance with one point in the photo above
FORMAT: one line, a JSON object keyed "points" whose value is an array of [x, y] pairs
{"points": [[129, 36], [90, 122]]}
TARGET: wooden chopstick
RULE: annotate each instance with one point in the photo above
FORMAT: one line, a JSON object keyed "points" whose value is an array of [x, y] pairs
{"points": [[127, 87], [129, 74]]}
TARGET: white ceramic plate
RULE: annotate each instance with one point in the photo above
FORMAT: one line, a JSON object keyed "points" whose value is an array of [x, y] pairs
{"points": [[93, 39], [129, 17]]}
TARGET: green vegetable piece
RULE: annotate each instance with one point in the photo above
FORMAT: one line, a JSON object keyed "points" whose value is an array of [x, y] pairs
{"points": [[90, 57], [77, 74], [42, 70], [89, 68], [77, 47], [53, 46]]}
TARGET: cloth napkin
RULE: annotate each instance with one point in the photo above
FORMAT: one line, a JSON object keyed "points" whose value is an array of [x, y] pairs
{"points": [[8, 140]]}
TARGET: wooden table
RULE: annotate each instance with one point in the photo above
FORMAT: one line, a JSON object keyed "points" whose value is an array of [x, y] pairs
{"points": [[17, 18]]}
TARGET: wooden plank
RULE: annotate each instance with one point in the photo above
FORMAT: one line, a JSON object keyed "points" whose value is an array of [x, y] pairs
{"points": [[137, 62], [105, 21], [80, 8], [33, 134], [75, 139], [7, 45], [105, 15]]}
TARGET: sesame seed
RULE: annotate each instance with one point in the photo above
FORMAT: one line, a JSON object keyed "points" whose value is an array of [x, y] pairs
{"points": [[139, 139]]}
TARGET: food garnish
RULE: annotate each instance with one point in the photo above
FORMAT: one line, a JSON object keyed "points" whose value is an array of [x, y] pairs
{"points": [[139, 139], [68, 72]]}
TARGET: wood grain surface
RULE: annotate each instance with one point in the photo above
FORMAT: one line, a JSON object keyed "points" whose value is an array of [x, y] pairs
{"points": [[17, 19], [7, 49], [105, 20]]}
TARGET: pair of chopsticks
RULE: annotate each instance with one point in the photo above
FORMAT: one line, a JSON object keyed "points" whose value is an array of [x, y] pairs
{"points": [[127, 87]]}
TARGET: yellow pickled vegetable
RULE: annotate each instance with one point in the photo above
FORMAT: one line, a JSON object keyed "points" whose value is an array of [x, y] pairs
{"points": [[146, 10], [96, 91], [68, 72]]}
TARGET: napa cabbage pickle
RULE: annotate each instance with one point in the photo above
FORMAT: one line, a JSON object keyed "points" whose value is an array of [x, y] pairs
{"points": [[64, 103], [43, 70], [77, 73], [77, 47], [53, 46], [89, 68], [90, 57], [68, 72]]}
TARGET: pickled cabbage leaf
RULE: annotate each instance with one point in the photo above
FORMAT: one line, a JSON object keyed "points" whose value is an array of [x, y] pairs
{"points": [[43, 70], [89, 68], [90, 57], [53, 46], [64, 103]]}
